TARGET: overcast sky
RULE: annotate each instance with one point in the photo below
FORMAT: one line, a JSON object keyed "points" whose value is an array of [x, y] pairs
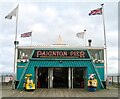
{"points": [[47, 20]]}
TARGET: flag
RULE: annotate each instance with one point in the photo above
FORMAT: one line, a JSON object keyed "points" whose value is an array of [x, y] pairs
{"points": [[28, 34], [12, 13], [96, 12], [80, 35]]}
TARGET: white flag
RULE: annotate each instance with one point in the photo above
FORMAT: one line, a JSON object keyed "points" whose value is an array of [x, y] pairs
{"points": [[12, 13], [80, 35]]}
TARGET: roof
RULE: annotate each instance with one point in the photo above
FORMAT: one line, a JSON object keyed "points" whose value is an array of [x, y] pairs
{"points": [[59, 46]]}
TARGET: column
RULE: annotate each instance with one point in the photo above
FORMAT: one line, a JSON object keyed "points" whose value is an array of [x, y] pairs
{"points": [[16, 64], [72, 78], [69, 77], [48, 77], [51, 77], [36, 74]]}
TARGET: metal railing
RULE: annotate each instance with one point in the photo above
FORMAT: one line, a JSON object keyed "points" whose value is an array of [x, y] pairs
{"points": [[114, 81], [5, 79]]}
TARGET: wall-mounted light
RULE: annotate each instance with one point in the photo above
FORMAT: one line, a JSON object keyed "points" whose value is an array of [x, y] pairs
{"points": [[60, 61]]}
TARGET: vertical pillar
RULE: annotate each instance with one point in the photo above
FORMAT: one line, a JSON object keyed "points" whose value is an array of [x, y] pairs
{"points": [[72, 78], [69, 77], [36, 74], [2, 80], [48, 77], [118, 80], [51, 77], [16, 64], [112, 80]]}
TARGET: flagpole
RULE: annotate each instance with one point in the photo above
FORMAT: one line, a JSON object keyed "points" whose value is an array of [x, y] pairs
{"points": [[85, 37], [15, 50], [31, 38], [105, 46]]}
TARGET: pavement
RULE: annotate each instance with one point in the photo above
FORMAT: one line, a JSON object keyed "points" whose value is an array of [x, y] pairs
{"points": [[58, 92]]}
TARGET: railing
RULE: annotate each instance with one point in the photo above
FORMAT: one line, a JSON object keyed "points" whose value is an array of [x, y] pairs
{"points": [[5, 79], [114, 81]]}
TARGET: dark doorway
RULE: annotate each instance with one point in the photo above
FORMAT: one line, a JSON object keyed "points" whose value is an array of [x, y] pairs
{"points": [[60, 77], [42, 78], [78, 77]]}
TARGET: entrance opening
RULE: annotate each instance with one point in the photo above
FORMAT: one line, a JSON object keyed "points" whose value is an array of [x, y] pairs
{"points": [[42, 81], [79, 77], [60, 77]]}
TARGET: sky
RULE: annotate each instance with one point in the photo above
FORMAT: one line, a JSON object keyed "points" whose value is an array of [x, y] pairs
{"points": [[49, 19]]}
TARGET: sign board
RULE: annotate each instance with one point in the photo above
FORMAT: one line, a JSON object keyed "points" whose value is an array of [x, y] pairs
{"points": [[7, 79], [110, 79], [60, 54]]}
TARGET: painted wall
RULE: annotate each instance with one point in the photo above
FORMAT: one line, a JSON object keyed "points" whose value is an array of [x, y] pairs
{"points": [[20, 69], [65, 63], [100, 70], [30, 68]]}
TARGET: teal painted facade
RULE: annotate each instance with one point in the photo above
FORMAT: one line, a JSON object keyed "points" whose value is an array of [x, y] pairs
{"points": [[100, 69], [20, 68], [101, 73], [19, 73], [29, 67]]}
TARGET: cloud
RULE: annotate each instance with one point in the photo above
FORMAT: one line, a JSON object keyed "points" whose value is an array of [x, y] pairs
{"points": [[51, 13], [47, 20], [112, 38], [40, 28], [113, 58], [6, 61], [112, 67]]}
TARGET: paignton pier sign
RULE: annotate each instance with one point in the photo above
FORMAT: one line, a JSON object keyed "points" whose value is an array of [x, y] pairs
{"points": [[60, 54]]}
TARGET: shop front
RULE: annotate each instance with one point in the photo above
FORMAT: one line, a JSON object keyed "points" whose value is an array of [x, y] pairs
{"points": [[60, 68], [60, 77]]}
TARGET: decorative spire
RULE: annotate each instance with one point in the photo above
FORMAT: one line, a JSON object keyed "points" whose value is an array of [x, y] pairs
{"points": [[59, 40]]}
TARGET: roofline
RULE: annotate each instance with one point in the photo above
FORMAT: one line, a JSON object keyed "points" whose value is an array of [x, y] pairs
{"points": [[59, 46]]}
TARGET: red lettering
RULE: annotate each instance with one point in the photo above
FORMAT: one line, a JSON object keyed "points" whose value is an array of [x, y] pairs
{"points": [[64, 53], [54, 53], [40, 53], [82, 54], [57, 53], [71, 53]]}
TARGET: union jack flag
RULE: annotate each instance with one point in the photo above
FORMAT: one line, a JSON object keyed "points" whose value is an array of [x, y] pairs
{"points": [[28, 34], [96, 12]]}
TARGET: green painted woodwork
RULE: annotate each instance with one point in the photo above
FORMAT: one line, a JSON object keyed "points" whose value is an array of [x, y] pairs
{"points": [[64, 63], [19, 73], [48, 62]]}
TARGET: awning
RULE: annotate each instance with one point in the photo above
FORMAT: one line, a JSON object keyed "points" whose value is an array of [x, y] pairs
{"points": [[60, 63]]}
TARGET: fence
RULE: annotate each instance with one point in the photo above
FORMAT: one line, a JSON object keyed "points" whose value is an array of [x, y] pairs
{"points": [[5, 79], [114, 80]]}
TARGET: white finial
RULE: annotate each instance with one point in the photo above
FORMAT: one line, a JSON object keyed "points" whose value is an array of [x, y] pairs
{"points": [[60, 40]]}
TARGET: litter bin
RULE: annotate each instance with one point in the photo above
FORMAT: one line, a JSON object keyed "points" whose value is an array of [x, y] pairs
{"points": [[104, 84]]}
